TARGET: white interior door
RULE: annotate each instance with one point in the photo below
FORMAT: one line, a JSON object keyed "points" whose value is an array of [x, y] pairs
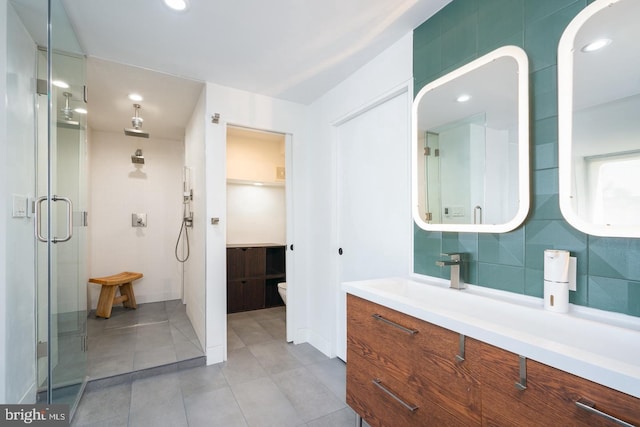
{"points": [[374, 197]]}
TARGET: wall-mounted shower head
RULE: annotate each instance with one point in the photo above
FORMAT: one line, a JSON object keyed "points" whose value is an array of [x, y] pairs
{"points": [[138, 158], [136, 122]]}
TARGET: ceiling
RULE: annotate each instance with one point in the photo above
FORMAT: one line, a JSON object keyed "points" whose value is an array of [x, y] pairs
{"points": [[288, 49]]}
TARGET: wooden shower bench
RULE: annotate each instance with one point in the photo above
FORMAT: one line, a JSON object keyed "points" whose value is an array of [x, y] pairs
{"points": [[108, 297]]}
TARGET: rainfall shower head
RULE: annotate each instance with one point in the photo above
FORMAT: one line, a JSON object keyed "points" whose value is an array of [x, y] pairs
{"points": [[138, 158], [136, 122], [66, 118]]}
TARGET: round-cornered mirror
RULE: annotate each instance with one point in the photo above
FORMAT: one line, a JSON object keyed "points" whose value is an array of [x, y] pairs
{"points": [[471, 146], [599, 119]]}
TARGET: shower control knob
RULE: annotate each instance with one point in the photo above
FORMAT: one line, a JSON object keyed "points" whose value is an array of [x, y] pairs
{"points": [[339, 251]]}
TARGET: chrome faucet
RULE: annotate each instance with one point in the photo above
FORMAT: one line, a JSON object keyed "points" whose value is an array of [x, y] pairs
{"points": [[455, 262]]}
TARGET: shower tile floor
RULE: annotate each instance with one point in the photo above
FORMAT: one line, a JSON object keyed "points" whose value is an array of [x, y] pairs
{"points": [[264, 382], [154, 334]]}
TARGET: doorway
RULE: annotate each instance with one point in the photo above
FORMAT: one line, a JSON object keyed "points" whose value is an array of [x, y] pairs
{"points": [[258, 260]]}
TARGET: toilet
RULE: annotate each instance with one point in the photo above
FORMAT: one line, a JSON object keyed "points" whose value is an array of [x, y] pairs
{"points": [[282, 290]]}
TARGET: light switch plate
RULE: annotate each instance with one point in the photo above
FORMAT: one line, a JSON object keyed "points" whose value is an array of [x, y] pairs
{"points": [[19, 208]]}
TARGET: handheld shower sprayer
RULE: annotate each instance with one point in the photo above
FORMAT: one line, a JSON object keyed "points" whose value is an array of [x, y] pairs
{"points": [[187, 214]]}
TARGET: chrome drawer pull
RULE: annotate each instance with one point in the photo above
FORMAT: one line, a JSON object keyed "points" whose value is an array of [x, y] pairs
{"points": [[591, 407], [394, 324], [378, 384], [460, 356], [522, 385]]}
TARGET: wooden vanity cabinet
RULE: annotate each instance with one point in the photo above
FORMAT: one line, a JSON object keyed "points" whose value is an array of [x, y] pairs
{"points": [[416, 361], [253, 274]]}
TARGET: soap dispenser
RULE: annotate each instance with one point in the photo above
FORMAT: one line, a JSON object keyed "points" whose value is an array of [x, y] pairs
{"points": [[559, 277]]}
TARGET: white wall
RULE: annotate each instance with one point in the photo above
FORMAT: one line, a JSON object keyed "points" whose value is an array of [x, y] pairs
{"points": [[260, 112], [17, 330], [390, 70], [194, 267], [254, 159], [120, 188], [455, 174], [4, 201], [256, 214]]}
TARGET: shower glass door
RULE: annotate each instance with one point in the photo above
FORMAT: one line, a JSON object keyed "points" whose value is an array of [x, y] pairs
{"points": [[61, 221]]}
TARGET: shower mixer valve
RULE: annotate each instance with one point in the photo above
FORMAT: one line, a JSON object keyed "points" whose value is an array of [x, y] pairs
{"points": [[138, 219]]}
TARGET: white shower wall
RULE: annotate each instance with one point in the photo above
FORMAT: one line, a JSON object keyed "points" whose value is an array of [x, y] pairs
{"points": [[119, 188]]}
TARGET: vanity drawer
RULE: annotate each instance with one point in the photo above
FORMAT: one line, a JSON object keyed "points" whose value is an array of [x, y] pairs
{"points": [[418, 352], [371, 391], [550, 395], [563, 390]]}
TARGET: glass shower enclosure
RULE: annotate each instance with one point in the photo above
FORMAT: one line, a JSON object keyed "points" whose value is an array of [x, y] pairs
{"points": [[60, 214]]}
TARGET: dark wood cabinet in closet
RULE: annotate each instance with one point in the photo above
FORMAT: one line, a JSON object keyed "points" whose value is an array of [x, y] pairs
{"points": [[253, 274]]}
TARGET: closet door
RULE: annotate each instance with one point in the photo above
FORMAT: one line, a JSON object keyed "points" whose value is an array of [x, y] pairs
{"points": [[374, 197]]}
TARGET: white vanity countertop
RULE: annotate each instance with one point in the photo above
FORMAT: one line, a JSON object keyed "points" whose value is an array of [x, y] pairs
{"points": [[596, 345]]}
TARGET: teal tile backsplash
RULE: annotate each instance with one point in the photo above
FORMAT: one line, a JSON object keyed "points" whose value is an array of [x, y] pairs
{"points": [[608, 268]]}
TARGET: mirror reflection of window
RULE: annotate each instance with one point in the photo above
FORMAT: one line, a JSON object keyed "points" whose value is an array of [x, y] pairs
{"points": [[599, 125], [614, 185]]}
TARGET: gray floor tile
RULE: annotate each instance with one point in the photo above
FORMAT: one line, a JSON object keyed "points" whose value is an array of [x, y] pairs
{"points": [[153, 317], [269, 313], [170, 414], [106, 366], [332, 373], [276, 328], [263, 404], [264, 383], [343, 418], [242, 366], [250, 332], [306, 353], [156, 356], [309, 396], [108, 345], [152, 336], [139, 339], [233, 340], [274, 356], [154, 391], [116, 421], [187, 350], [201, 380], [214, 408], [102, 405]]}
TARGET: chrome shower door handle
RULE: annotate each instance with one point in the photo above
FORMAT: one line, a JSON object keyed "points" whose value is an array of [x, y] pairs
{"points": [[36, 213], [69, 204], [37, 219], [477, 215]]}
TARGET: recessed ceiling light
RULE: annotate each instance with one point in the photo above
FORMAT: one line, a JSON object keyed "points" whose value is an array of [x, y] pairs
{"points": [[463, 98], [596, 45], [80, 110], [61, 84], [135, 97], [258, 184], [179, 5]]}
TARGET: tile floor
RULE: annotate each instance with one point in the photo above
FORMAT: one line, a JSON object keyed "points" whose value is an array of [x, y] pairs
{"points": [[264, 382], [154, 334]]}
